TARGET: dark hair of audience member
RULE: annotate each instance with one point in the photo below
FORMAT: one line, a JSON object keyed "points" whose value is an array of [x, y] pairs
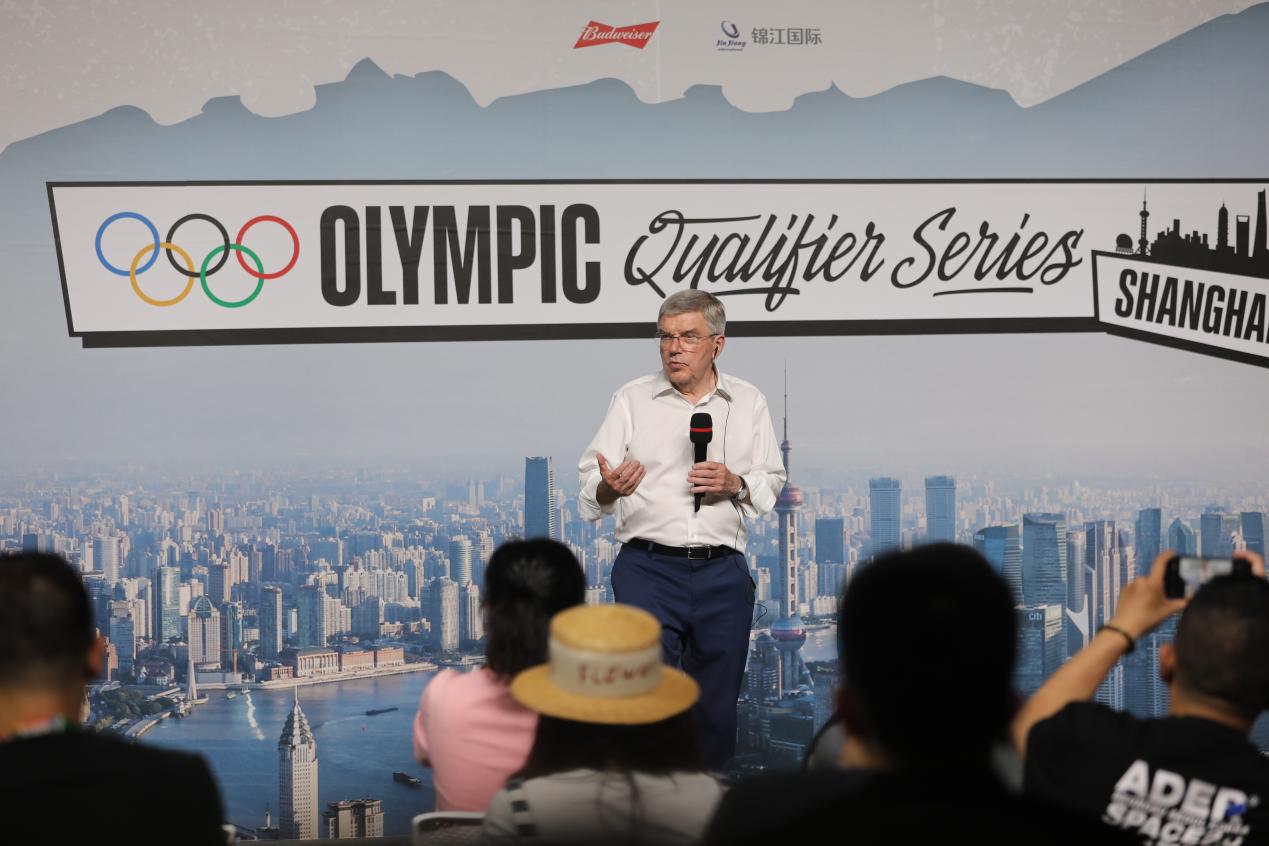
{"points": [[526, 583], [1222, 643], [46, 625], [926, 640], [659, 748]]}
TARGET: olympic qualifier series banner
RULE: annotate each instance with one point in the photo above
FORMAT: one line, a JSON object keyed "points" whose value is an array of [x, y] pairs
{"points": [[1178, 262]]}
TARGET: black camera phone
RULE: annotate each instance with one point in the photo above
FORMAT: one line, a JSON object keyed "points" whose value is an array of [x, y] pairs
{"points": [[1186, 574]]}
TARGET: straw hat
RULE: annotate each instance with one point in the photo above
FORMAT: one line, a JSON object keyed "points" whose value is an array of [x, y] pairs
{"points": [[605, 667]]}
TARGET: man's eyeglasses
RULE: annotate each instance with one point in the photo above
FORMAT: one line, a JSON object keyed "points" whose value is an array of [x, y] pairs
{"points": [[688, 342]]}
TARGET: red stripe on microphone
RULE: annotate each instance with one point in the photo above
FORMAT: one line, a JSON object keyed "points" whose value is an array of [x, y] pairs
{"points": [[710, 429]]}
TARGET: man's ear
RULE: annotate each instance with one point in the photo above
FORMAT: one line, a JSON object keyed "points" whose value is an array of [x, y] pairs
{"points": [[96, 657], [852, 712], [1167, 662]]}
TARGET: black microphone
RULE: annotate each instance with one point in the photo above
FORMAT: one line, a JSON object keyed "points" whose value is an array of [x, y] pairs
{"points": [[701, 433]]}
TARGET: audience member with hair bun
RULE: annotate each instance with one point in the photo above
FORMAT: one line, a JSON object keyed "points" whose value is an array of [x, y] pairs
{"points": [[468, 728], [615, 759]]}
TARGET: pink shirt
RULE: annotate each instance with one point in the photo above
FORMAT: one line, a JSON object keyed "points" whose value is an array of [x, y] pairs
{"points": [[473, 735]]}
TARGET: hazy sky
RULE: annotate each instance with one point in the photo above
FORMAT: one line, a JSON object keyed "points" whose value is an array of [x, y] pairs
{"points": [[1062, 403]]}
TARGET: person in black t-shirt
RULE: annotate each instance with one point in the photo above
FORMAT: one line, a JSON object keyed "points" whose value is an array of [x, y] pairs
{"points": [[1191, 777], [926, 640], [61, 783]]}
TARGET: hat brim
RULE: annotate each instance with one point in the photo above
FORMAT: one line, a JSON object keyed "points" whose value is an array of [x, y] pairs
{"points": [[676, 693]]}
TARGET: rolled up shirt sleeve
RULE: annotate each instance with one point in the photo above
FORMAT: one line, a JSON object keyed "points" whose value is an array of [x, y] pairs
{"points": [[765, 478], [612, 440]]}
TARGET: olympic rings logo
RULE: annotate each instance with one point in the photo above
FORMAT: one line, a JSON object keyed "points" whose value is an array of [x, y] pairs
{"points": [[168, 245]]}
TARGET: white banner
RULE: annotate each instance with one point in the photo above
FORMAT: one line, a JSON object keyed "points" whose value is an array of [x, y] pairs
{"points": [[163, 263]]}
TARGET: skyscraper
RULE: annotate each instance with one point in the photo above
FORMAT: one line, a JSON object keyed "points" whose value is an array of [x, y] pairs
{"points": [[442, 613], [270, 622], [940, 509], [1181, 538], [1216, 533], [470, 617], [38, 542], [204, 633], [1149, 538], [297, 777], [788, 631], [1077, 580], [482, 551], [166, 595], [353, 818], [1002, 547], [1041, 646], [824, 677], [763, 686], [309, 601], [460, 552], [218, 583], [788, 503], [1160, 695], [1111, 691], [367, 617], [106, 557], [335, 618], [1044, 576], [884, 527], [1253, 528], [540, 520], [1101, 556], [230, 635], [830, 541], [123, 634], [1138, 691]]}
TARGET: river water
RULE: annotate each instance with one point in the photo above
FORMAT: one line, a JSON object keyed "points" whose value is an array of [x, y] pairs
{"points": [[356, 754]]}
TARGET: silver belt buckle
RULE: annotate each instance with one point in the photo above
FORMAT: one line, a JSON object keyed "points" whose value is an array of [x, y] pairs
{"points": [[704, 550]]}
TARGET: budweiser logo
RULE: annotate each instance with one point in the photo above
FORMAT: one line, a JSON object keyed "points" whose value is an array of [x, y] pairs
{"points": [[635, 35]]}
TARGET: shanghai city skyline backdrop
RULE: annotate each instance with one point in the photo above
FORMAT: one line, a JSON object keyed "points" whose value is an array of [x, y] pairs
{"points": [[393, 550]]}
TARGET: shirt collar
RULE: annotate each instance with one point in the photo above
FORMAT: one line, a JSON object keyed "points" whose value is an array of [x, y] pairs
{"points": [[661, 384]]}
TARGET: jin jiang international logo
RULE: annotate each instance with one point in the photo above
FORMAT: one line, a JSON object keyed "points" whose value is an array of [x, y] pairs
{"points": [[147, 255]]}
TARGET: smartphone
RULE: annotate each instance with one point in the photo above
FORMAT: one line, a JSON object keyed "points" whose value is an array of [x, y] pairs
{"points": [[1185, 575]]}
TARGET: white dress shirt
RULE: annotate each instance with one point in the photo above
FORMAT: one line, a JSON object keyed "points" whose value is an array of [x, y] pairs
{"points": [[648, 421]]}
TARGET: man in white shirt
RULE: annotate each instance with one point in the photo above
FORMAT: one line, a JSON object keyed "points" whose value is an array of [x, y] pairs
{"points": [[688, 568]]}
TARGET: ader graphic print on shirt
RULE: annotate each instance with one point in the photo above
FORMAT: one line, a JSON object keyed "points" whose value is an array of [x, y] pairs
{"points": [[1173, 780], [1166, 807]]}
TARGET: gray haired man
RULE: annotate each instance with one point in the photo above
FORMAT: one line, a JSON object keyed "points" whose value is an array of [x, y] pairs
{"points": [[688, 567]]}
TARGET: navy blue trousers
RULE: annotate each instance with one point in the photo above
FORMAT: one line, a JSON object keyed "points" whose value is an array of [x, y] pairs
{"points": [[705, 609]]}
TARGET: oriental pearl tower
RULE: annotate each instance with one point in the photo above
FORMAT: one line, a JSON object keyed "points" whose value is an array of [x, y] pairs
{"points": [[788, 632]]}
